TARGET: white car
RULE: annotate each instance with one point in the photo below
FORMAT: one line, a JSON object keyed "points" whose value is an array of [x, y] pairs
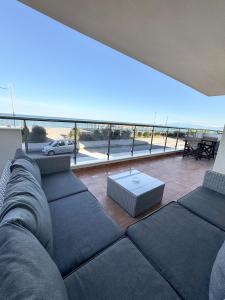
{"points": [[60, 147]]}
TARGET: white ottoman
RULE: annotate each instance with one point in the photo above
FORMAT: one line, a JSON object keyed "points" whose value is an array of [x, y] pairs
{"points": [[136, 192]]}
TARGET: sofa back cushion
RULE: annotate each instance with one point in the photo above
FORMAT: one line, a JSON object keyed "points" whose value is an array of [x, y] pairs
{"points": [[25, 204], [23, 160], [29, 166], [26, 269], [217, 280]]}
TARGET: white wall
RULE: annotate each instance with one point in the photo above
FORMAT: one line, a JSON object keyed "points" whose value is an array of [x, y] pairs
{"points": [[219, 165], [10, 140]]}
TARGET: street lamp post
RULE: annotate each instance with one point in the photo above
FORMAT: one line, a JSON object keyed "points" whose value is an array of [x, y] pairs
{"points": [[10, 89]]}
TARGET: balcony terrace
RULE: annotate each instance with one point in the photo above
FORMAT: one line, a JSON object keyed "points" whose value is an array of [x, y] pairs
{"points": [[181, 176], [107, 148], [83, 232], [56, 240]]}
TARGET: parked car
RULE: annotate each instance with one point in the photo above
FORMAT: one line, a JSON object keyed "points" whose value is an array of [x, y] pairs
{"points": [[60, 147]]}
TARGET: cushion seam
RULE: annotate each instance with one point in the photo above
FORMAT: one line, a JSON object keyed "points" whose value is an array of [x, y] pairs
{"points": [[94, 256], [49, 201], [158, 269], [201, 217]]}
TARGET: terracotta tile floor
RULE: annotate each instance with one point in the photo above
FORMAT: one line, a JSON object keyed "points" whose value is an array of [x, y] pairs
{"points": [[181, 176]]}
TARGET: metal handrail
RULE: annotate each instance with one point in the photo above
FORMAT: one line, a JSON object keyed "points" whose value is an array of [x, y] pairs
{"points": [[72, 120]]}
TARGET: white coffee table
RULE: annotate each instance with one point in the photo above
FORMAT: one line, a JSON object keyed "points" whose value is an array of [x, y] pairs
{"points": [[136, 192]]}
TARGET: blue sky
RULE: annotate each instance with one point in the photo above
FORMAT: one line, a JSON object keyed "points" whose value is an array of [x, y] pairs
{"points": [[56, 71]]}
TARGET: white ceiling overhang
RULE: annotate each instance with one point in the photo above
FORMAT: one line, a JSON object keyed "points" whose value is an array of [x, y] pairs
{"points": [[184, 39]]}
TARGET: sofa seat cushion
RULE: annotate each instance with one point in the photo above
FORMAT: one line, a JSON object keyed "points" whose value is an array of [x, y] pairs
{"points": [[26, 269], [25, 204], [181, 246], [207, 204], [120, 272], [81, 228], [62, 184]]}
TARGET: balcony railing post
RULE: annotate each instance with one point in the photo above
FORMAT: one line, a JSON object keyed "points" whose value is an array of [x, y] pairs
{"points": [[25, 130], [150, 149], [109, 141], [188, 132], [75, 143], [178, 134], [166, 139], [133, 141]]}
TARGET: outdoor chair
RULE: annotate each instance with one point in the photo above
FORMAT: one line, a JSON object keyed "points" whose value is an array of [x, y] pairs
{"points": [[191, 147], [207, 149]]}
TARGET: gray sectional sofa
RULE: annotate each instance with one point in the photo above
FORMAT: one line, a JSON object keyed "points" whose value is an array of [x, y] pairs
{"points": [[57, 242]]}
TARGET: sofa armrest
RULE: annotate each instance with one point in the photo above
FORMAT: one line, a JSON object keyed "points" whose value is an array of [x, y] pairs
{"points": [[215, 181], [53, 164]]}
